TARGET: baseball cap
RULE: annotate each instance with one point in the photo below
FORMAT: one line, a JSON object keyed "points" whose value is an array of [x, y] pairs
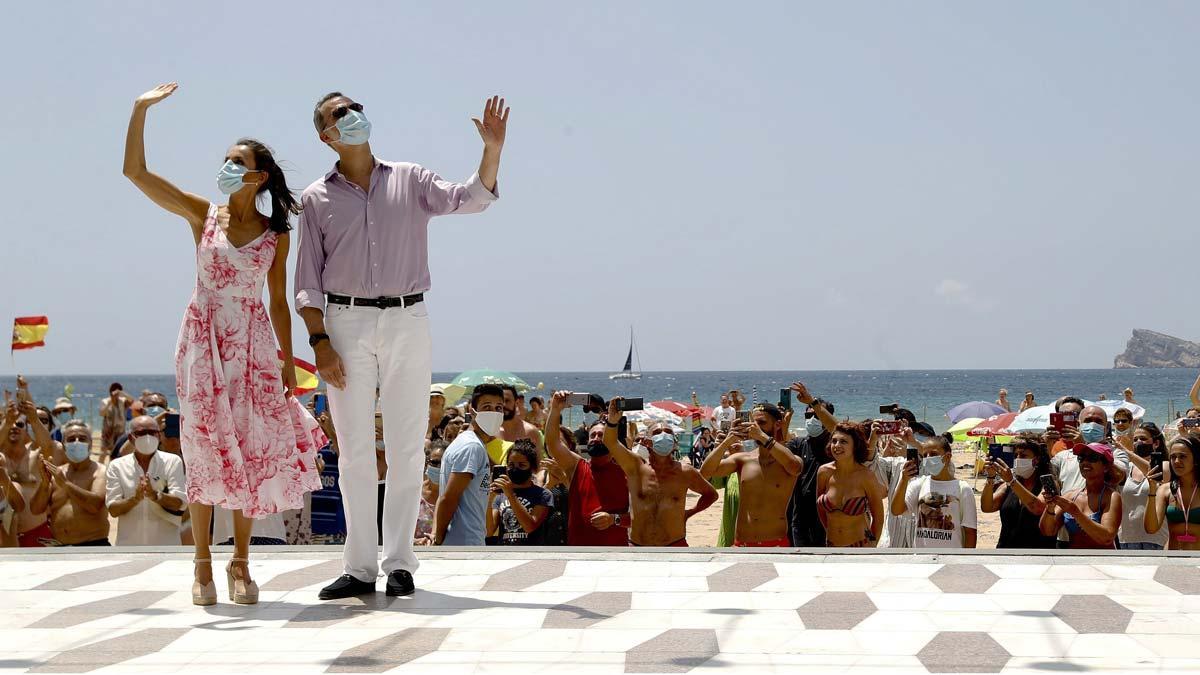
{"points": [[1098, 448]]}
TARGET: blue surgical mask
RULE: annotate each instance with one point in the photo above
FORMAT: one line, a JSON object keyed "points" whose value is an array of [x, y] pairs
{"points": [[155, 410], [229, 178], [433, 473], [664, 444], [354, 128], [77, 451], [932, 466], [814, 427], [1092, 432]]}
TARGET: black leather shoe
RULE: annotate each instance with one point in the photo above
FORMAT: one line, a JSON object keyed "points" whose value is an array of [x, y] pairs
{"points": [[346, 586], [400, 583]]}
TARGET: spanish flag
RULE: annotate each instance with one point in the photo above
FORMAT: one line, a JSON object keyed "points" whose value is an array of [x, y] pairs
{"points": [[29, 332], [306, 376]]}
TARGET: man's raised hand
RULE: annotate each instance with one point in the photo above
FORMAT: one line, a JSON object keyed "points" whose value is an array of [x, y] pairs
{"points": [[494, 124]]}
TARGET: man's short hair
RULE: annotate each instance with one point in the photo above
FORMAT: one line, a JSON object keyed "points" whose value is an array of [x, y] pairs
{"points": [[77, 423], [1068, 399], [318, 122], [508, 387], [770, 409], [486, 390], [905, 414], [538, 400], [822, 402]]}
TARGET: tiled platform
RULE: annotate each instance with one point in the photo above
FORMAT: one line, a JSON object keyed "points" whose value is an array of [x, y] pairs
{"points": [[576, 611]]}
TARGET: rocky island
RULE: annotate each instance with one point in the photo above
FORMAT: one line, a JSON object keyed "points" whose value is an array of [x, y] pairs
{"points": [[1148, 349]]}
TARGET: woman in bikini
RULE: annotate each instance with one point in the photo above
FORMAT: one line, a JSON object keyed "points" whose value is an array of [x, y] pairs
{"points": [[1091, 516], [849, 496], [1179, 499]]}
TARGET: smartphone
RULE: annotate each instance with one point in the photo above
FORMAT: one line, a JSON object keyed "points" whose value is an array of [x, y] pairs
{"points": [[1060, 421], [1157, 458], [579, 399], [726, 425], [171, 425], [1004, 453], [468, 418], [629, 404], [785, 399], [320, 403], [888, 408], [499, 470], [1190, 422], [890, 427], [911, 455], [743, 416], [1048, 485]]}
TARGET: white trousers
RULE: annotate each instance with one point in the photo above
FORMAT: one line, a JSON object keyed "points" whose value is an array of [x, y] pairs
{"points": [[389, 348]]}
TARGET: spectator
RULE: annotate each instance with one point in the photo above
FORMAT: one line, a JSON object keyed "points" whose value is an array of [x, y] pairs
{"points": [[805, 525], [731, 501], [26, 469], [423, 535], [554, 530], [888, 457], [1028, 402], [766, 477], [658, 488], [849, 497], [1093, 428], [1123, 429], [459, 516], [724, 412], [1017, 498], [537, 412], [113, 411], [77, 514], [1085, 525], [700, 449], [1175, 502], [59, 456], [1128, 394], [519, 508], [63, 411], [146, 491], [1002, 401], [515, 427], [328, 513], [1056, 442], [945, 506], [598, 494], [1136, 489], [437, 409], [452, 428]]}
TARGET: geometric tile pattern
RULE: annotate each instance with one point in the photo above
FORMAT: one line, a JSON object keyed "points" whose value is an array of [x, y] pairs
{"points": [[963, 653], [836, 610], [582, 611], [964, 579]]}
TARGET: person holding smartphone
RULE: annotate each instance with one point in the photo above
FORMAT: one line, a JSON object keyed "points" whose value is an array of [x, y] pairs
{"points": [[1176, 503], [945, 506], [1148, 447], [1089, 516], [1014, 491]]}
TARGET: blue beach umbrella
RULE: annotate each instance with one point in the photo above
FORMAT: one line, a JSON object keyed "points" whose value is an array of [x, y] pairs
{"points": [[981, 409]]}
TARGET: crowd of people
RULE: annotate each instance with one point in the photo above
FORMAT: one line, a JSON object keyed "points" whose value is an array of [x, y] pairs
{"points": [[501, 470]]}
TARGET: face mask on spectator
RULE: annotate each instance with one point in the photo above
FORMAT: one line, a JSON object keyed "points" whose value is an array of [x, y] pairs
{"points": [[77, 451], [489, 421], [155, 410], [1128, 431], [814, 427], [932, 466], [1143, 449], [1022, 467], [433, 473], [146, 445], [519, 476], [597, 449], [664, 444], [63, 416], [1092, 432]]}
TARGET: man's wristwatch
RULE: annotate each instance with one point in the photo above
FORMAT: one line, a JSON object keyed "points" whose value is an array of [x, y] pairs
{"points": [[617, 519], [316, 338]]}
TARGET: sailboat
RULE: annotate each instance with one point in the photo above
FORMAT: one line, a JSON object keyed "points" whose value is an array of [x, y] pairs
{"points": [[628, 373]]}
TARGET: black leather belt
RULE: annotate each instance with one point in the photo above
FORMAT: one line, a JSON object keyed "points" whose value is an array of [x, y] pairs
{"points": [[380, 303]]}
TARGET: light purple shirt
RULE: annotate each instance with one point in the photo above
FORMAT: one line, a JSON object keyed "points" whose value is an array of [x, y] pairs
{"points": [[375, 244]]}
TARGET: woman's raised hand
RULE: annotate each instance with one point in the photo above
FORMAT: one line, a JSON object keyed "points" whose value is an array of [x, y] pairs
{"points": [[156, 94]]}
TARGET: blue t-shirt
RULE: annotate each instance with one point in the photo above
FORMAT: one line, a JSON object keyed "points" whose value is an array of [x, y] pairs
{"points": [[511, 532], [467, 455], [328, 515]]}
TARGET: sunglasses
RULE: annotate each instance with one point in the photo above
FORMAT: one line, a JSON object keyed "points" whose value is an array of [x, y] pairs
{"points": [[144, 432], [1122, 421], [341, 111], [1092, 458], [808, 415]]}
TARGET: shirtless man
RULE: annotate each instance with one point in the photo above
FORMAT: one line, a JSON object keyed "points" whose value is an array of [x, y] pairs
{"points": [[766, 477], [658, 488], [78, 515], [515, 427], [24, 467], [112, 412], [1002, 401]]}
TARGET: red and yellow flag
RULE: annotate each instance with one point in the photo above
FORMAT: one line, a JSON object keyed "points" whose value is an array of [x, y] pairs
{"points": [[306, 376], [29, 332]]}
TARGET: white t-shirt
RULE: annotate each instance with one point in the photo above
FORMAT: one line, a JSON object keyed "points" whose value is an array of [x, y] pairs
{"points": [[723, 414], [146, 524], [943, 508]]}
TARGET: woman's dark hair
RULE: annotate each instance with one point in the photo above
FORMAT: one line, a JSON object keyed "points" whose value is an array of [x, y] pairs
{"points": [[526, 449], [1194, 445], [1041, 462], [858, 439], [114, 386], [1156, 434], [49, 416], [946, 443], [567, 437], [283, 202]]}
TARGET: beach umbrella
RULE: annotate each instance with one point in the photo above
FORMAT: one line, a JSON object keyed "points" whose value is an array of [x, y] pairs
{"points": [[451, 392], [980, 409], [1111, 407], [1036, 418], [473, 378], [959, 430], [996, 425], [652, 414]]}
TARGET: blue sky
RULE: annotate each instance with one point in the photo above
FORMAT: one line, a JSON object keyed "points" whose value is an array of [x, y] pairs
{"points": [[774, 185]]}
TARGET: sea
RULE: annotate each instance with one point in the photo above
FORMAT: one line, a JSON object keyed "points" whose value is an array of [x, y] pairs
{"points": [[856, 394]]}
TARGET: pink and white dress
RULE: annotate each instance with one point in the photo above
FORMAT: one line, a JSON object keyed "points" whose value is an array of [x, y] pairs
{"points": [[246, 444]]}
